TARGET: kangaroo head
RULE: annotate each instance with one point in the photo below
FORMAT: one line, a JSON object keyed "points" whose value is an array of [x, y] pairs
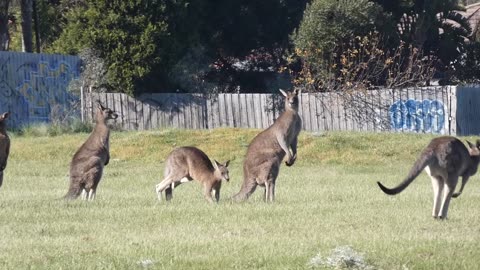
{"points": [[3, 116], [105, 112], [221, 170], [474, 149], [291, 99]]}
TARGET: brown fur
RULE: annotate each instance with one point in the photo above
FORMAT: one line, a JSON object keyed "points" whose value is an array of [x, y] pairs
{"points": [[87, 164], [268, 148], [185, 164], [4, 145], [445, 159]]}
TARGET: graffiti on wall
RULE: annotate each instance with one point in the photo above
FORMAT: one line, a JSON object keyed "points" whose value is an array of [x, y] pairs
{"points": [[418, 115], [31, 85]]}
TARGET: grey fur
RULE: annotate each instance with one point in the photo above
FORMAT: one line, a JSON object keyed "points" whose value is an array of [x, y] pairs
{"points": [[267, 150], [87, 164], [185, 164], [445, 159], [4, 145]]}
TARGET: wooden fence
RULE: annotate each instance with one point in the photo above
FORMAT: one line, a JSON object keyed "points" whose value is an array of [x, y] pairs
{"points": [[425, 110]]}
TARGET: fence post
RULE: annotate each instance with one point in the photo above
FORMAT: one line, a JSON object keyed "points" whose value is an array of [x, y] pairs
{"points": [[91, 103], [82, 105]]}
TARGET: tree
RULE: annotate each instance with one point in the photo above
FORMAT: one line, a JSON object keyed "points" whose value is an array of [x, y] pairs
{"points": [[4, 18], [128, 35], [435, 27], [223, 34], [26, 7], [327, 30]]}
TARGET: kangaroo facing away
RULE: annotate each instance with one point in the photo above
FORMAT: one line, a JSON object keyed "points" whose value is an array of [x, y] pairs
{"points": [[267, 150], [87, 164], [4, 145], [445, 159], [184, 164]]}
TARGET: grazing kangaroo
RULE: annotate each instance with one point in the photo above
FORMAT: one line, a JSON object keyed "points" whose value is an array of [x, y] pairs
{"points": [[444, 159], [187, 163], [267, 150], [4, 145], [87, 164]]}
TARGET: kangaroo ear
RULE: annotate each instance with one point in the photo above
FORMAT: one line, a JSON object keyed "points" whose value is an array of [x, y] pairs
{"points": [[226, 163], [470, 144], [4, 115], [216, 164], [297, 91], [283, 92], [100, 106]]}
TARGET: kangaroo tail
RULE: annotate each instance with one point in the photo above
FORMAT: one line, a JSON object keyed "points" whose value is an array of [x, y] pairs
{"points": [[1, 178], [248, 187], [73, 192], [417, 168]]}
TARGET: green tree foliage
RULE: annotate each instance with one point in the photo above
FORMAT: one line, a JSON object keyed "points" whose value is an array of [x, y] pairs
{"points": [[412, 33], [329, 28], [327, 23], [439, 29], [223, 33], [128, 35], [154, 44]]}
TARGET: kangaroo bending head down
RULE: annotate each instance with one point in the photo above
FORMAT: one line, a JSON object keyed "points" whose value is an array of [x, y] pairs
{"points": [[267, 150], [87, 164], [4, 144], [185, 164], [445, 159]]}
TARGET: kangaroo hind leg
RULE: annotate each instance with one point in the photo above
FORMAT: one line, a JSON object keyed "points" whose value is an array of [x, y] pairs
{"points": [[169, 190], [448, 190], [171, 180], [437, 185], [92, 178], [164, 184]]}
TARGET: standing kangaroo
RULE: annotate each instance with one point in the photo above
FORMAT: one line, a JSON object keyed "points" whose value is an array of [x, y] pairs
{"points": [[187, 163], [87, 164], [444, 159], [268, 148], [4, 145]]}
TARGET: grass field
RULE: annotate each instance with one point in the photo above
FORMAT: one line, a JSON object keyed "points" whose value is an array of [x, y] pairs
{"points": [[328, 199]]}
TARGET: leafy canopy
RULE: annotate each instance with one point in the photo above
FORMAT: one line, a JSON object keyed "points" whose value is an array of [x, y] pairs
{"points": [[126, 34]]}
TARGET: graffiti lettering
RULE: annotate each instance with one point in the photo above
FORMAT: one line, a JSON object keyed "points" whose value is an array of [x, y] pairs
{"points": [[31, 84], [419, 116]]}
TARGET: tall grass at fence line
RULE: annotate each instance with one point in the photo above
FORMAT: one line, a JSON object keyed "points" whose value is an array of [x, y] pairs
{"points": [[43, 129]]}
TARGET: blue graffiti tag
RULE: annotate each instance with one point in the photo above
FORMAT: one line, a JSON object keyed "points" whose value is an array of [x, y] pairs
{"points": [[419, 116]]}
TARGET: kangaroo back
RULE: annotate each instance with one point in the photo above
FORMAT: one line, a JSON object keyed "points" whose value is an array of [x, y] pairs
{"points": [[427, 157], [190, 163]]}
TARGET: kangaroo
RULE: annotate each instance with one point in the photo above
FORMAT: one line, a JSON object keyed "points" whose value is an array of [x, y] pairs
{"points": [[445, 159], [87, 164], [267, 150], [184, 164], [4, 145]]}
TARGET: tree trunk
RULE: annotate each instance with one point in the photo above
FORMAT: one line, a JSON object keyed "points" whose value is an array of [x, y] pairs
{"points": [[36, 26], [27, 11], [4, 36]]}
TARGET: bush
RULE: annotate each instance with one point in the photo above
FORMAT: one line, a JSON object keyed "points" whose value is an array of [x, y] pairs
{"points": [[328, 23]]}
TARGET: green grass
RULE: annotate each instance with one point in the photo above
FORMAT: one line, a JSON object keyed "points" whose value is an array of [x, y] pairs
{"points": [[329, 198]]}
